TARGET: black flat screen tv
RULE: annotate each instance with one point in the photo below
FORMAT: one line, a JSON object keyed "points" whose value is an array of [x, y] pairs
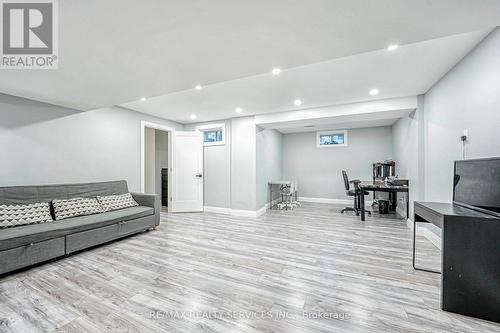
{"points": [[477, 185]]}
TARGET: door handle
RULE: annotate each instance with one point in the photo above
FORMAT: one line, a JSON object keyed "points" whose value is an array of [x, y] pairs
{"points": [[199, 175]]}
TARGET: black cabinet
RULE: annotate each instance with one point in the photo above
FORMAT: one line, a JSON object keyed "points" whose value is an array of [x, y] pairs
{"points": [[164, 187]]}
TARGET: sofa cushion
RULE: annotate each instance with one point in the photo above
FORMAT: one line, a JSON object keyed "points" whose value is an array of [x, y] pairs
{"points": [[114, 202], [67, 208], [14, 195], [22, 235], [16, 215]]}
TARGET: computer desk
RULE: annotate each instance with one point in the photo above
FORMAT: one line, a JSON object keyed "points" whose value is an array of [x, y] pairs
{"points": [[281, 183], [470, 264], [371, 186]]}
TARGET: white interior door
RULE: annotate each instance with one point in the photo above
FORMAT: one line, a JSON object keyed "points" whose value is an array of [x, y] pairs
{"points": [[186, 172]]}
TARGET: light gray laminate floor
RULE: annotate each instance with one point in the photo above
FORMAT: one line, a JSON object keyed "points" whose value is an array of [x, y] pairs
{"points": [[234, 274]]}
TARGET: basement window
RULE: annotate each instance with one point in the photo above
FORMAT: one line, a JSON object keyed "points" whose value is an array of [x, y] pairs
{"points": [[331, 138], [213, 134]]}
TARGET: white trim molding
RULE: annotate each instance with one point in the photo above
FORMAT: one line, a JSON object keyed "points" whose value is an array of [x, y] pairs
{"points": [[422, 230], [235, 212], [262, 211], [332, 201]]}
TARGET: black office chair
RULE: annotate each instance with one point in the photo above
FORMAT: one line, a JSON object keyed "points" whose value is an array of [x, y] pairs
{"points": [[355, 192]]}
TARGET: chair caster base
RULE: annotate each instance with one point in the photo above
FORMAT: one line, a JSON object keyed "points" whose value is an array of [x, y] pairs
{"points": [[349, 209]]}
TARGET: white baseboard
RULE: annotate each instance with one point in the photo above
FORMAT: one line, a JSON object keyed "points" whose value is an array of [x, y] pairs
{"points": [[422, 230], [236, 212], [346, 202], [432, 237], [220, 210], [325, 200], [409, 224], [259, 212], [262, 211]]}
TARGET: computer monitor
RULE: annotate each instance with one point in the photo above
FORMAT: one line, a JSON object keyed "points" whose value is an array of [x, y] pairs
{"points": [[477, 185]]}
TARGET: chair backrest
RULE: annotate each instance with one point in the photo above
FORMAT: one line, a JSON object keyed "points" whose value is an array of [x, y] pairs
{"points": [[346, 180]]}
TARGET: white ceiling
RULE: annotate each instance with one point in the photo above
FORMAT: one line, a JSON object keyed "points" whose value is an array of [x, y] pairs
{"points": [[115, 51], [355, 115], [334, 125], [410, 70]]}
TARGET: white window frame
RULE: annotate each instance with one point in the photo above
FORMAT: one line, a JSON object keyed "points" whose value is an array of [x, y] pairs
{"points": [[207, 127], [319, 134]]}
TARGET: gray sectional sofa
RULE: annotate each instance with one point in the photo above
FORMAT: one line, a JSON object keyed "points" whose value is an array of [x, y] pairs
{"points": [[26, 245]]}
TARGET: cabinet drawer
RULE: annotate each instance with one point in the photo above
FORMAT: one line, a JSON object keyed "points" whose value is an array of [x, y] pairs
{"points": [[28, 255], [140, 224], [86, 239]]}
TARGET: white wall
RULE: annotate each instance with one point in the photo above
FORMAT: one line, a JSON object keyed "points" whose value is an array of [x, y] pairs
{"points": [[43, 143], [269, 162], [319, 170], [468, 97], [408, 152], [49, 144], [427, 143], [243, 164]]}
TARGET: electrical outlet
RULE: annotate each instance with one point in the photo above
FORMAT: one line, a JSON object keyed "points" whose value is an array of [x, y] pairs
{"points": [[465, 136]]}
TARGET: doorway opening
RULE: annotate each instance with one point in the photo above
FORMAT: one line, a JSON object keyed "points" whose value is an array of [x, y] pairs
{"points": [[172, 166], [155, 172], [156, 163]]}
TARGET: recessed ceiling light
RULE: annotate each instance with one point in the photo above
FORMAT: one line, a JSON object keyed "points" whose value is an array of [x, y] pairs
{"points": [[193, 116], [276, 71], [238, 110], [374, 92], [198, 87], [297, 102], [392, 47], [143, 99]]}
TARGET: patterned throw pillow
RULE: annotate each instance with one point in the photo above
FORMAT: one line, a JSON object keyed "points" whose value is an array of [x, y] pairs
{"points": [[114, 202], [15, 215], [64, 209]]}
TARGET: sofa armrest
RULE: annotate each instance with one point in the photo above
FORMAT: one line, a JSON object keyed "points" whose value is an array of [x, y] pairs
{"points": [[149, 200]]}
